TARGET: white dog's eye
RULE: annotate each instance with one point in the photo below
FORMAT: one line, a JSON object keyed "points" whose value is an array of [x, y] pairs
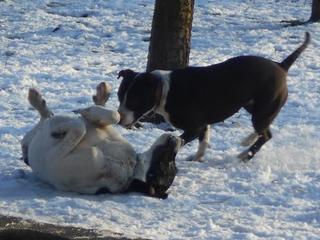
{"points": [[58, 135]]}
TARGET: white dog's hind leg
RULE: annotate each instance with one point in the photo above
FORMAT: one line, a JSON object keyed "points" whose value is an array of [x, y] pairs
{"points": [[71, 132], [102, 95], [36, 100], [39, 103], [99, 116]]}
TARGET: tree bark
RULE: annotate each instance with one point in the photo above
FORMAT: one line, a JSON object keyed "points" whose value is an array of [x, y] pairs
{"points": [[170, 35], [170, 39], [315, 12]]}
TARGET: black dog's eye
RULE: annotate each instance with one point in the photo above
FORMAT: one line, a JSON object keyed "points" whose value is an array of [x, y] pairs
{"points": [[58, 135]]}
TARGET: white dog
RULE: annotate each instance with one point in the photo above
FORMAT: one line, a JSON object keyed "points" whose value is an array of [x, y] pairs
{"points": [[84, 153]]}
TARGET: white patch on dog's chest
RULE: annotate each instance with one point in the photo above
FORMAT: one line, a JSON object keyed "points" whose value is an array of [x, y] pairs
{"points": [[165, 78], [127, 116]]}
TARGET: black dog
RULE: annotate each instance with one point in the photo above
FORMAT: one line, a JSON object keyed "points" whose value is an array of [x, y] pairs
{"points": [[194, 97]]}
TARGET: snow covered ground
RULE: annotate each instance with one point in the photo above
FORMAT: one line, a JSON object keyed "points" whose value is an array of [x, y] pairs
{"points": [[65, 48]]}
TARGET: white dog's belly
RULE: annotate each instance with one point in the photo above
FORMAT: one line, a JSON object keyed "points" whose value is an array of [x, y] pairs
{"points": [[79, 171], [108, 165], [102, 159]]}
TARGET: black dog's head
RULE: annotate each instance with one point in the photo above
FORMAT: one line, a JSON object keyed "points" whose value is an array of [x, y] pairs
{"points": [[138, 94], [127, 76]]}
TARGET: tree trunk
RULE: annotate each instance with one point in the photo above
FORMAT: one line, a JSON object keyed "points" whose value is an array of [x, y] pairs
{"points": [[315, 12], [171, 33], [170, 39]]}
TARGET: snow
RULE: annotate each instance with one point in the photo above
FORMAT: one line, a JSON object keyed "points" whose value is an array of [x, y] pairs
{"points": [[65, 48]]}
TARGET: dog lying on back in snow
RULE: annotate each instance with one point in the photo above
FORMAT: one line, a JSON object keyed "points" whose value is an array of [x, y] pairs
{"points": [[192, 98], [85, 154]]}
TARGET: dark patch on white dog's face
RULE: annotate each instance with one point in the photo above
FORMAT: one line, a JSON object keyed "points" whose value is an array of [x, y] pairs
{"points": [[139, 98], [163, 169]]}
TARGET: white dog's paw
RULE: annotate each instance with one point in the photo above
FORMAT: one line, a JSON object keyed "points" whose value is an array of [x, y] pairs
{"points": [[35, 98], [103, 91], [36, 101]]}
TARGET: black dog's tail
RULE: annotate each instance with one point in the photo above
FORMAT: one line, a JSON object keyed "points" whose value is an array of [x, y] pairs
{"points": [[286, 64]]}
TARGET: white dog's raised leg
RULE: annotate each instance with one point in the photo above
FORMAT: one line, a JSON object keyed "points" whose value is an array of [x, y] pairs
{"points": [[102, 94], [99, 116], [36, 100], [39, 103]]}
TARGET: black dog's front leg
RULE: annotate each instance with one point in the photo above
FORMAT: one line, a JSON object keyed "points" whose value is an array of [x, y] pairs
{"points": [[203, 135], [189, 136]]}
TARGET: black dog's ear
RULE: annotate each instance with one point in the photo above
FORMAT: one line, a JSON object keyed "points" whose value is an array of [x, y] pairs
{"points": [[128, 75]]}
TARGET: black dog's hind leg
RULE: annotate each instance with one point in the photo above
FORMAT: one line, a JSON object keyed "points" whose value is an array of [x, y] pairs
{"points": [[261, 126], [263, 113], [250, 139], [251, 151]]}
